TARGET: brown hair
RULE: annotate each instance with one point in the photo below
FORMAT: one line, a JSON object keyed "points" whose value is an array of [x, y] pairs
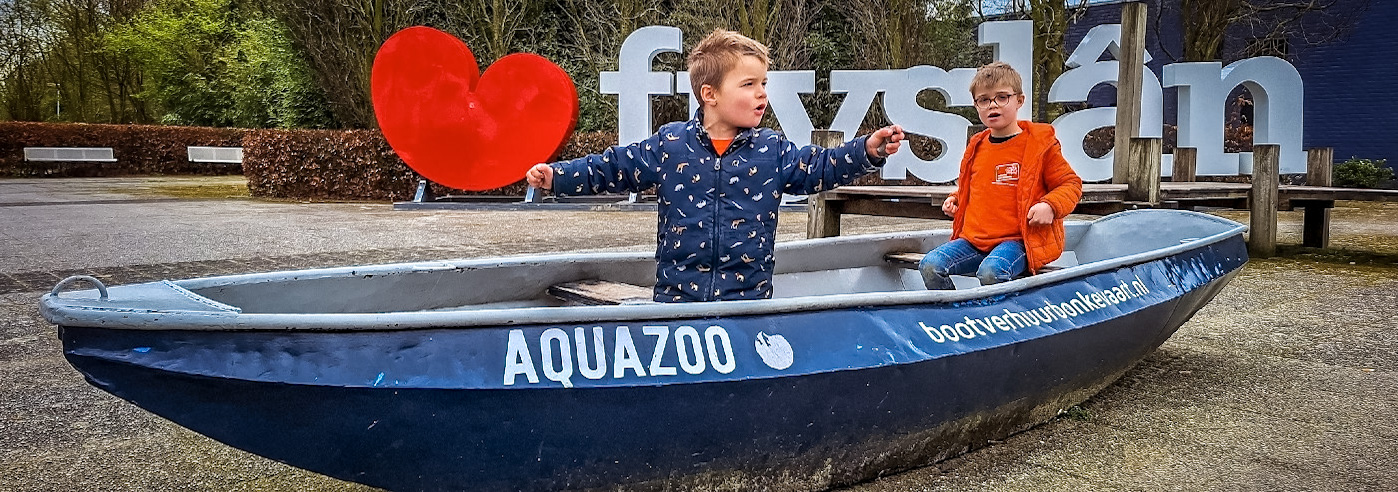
{"points": [[718, 53], [996, 74]]}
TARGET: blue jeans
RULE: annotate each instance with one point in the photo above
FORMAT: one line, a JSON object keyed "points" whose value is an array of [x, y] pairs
{"points": [[1004, 262]]}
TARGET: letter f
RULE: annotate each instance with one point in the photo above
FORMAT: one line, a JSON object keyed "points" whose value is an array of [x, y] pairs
{"points": [[634, 83]]}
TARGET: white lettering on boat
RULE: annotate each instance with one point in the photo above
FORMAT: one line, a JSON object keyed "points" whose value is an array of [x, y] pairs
{"points": [[563, 356], [518, 361], [969, 328], [563, 373], [662, 333], [687, 342]]}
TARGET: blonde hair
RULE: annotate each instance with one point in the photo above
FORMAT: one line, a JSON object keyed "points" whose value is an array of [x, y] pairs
{"points": [[995, 74], [718, 53]]}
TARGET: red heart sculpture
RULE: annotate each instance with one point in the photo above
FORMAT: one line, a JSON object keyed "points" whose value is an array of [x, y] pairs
{"points": [[462, 129]]}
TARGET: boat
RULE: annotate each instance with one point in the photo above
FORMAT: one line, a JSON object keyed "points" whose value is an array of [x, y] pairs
{"points": [[551, 372]]}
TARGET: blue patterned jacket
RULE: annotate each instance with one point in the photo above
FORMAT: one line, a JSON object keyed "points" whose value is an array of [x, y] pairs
{"points": [[718, 214]]}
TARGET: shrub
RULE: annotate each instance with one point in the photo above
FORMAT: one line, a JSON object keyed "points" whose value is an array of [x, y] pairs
{"points": [[324, 164], [1361, 173], [356, 165]]}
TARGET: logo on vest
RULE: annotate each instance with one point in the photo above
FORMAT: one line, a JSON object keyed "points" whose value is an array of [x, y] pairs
{"points": [[1007, 174]]}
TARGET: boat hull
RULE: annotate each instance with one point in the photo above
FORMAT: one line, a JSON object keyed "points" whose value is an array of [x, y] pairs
{"points": [[789, 401]]}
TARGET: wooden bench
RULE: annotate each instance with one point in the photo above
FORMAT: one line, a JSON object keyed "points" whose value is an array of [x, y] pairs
{"points": [[602, 293], [911, 260], [905, 259], [228, 155], [69, 154]]}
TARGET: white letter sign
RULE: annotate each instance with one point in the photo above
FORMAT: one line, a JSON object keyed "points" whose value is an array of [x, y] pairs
{"points": [[1202, 89]]}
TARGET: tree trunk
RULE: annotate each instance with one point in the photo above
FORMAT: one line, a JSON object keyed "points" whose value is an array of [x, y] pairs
{"points": [[1205, 22], [1050, 25]]}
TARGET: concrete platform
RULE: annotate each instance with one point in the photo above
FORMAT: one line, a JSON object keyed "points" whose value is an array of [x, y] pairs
{"points": [[1287, 381]]}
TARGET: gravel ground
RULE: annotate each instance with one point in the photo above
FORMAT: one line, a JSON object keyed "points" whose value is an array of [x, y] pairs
{"points": [[1286, 381]]}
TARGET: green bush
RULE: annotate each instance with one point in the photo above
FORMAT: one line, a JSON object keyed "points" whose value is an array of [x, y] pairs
{"points": [[218, 63], [1361, 173]]}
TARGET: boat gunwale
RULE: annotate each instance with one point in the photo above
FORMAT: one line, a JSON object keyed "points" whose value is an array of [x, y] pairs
{"points": [[56, 311]]}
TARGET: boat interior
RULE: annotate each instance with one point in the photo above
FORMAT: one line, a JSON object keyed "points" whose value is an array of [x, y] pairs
{"points": [[818, 267]]}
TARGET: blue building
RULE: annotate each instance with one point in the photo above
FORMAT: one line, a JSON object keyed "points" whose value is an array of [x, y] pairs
{"points": [[1347, 57]]}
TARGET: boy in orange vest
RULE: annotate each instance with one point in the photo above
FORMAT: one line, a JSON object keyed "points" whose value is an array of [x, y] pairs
{"points": [[1014, 190]]}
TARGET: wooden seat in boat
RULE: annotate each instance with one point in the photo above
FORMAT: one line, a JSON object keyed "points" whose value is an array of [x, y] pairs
{"points": [[601, 293], [904, 259], [910, 260]]}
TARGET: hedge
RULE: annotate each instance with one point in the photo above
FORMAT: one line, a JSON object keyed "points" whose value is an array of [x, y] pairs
{"points": [[139, 149], [355, 165], [324, 164], [330, 164]]}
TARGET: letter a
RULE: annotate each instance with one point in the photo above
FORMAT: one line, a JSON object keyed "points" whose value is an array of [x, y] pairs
{"points": [[517, 359]]}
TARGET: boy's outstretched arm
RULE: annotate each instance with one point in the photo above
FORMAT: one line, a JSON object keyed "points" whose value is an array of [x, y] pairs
{"points": [[885, 142], [629, 168], [540, 176], [812, 169]]}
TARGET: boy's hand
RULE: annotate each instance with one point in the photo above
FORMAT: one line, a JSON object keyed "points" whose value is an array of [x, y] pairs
{"points": [[884, 142], [540, 176], [949, 206], [1040, 214]]}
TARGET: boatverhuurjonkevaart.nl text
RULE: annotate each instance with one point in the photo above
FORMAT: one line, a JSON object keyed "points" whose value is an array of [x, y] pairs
{"points": [[1051, 312]]}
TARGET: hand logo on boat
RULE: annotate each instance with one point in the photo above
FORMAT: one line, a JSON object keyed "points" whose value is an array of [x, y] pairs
{"points": [[775, 350], [463, 129]]}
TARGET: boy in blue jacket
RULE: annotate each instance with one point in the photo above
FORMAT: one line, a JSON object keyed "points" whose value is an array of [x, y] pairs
{"points": [[719, 177]]}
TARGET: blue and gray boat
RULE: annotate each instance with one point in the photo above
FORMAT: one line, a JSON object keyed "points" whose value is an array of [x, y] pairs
{"points": [[556, 372]]}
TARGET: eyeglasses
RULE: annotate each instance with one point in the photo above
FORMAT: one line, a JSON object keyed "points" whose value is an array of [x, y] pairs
{"points": [[1000, 100]]}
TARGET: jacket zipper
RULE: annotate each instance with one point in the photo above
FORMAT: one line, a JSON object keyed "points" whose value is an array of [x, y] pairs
{"points": [[718, 231]]}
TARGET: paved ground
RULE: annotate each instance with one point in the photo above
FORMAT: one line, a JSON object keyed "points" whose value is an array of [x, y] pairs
{"points": [[1287, 381]]}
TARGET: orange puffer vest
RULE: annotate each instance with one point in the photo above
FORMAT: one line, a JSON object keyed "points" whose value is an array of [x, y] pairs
{"points": [[1044, 176]]}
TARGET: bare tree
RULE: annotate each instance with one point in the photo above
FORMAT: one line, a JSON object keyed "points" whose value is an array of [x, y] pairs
{"points": [[782, 25], [596, 45], [492, 28], [589, 45], [70, 61], [951, 34], [500, 23], [1205, 22], [890, 34], [1051, 19], [91, 84], [1264, 26], [120, 78], [22, 41], [340, 39]]}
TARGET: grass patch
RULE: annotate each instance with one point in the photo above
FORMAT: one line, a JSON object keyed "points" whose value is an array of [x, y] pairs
{"points": [[1076, 412], [194, 191], [1337, 256]]}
